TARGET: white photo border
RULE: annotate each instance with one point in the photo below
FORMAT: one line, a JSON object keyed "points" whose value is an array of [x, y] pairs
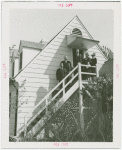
{"points": [[6, 6]]}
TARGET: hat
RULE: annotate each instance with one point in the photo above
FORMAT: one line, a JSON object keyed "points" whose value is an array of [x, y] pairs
{"points": [[93, 54]]}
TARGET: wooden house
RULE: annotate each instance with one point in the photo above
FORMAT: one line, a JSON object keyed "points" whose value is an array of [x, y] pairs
{"points": [[37, 67]]}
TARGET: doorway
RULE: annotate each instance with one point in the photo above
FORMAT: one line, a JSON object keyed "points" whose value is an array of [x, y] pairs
{"points": [[74, 54]]}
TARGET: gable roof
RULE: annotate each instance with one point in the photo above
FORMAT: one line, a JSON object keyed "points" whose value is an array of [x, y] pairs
{"points": [[32, 43], [98, 46], [40, 51]]}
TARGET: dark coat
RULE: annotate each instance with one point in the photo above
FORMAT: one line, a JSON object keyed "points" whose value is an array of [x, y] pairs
{"points": [[85, 62], [60, 74], [93, 61], [69, 70], [77, 59], [65, 64]]}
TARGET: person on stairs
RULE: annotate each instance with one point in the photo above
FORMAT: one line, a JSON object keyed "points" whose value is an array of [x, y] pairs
{"points": [[61, 73], [65, 63], [70, 68], [86, 61], [77, 59]]}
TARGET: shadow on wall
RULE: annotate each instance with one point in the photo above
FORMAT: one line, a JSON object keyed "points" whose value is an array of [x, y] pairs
{"points": [[51, 72], [62, 51], [40, 94]]}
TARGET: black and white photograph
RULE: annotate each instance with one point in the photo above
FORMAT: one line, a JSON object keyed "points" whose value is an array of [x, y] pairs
{"points": [[61, 75]]}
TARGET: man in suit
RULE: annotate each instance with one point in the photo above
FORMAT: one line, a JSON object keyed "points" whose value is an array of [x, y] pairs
{"points": [[61, 73], [86, 61], [65, 63], [78, 58]]}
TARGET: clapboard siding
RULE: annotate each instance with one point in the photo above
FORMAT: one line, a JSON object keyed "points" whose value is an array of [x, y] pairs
{"points": [[30, 80], [40, 74], [37, 85]]}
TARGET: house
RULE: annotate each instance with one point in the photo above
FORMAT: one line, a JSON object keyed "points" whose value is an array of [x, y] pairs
{"points": [[13, 62], [37, 65]]}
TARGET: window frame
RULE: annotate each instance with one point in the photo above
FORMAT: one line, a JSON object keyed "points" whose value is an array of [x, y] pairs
{"points": [[20, 60], [13, 68]]}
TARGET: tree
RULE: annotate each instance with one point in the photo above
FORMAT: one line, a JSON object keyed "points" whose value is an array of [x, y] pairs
{"points": [[13, 98]]}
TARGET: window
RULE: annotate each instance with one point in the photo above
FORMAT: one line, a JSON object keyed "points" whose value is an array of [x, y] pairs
{"points": [[76, 31], [20, 65], [13, 68]]}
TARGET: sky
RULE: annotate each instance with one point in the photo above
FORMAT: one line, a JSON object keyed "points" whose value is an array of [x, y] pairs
{"points": [[37, 24]]}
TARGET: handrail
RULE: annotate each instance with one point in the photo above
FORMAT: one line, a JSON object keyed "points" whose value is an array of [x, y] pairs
{"points": [[47, 96], [88, 66], [51, 93], [52, 90]]}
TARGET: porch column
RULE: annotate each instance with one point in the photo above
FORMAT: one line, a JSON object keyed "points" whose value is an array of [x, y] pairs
{"points": [[80, 98]]}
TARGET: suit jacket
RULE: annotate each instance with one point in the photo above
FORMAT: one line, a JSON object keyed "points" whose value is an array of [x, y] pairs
{"points": [[66, 65], [77, 59], [60, 73], [93, 61]]}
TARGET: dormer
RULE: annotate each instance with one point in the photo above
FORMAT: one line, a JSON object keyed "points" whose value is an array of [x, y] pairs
{"points": [[28, 50], [14, 61]]}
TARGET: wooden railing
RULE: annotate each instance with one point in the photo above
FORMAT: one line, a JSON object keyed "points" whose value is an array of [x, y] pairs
{"points": [[63, 90]]}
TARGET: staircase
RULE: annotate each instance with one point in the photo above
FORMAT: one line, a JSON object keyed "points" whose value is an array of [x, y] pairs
{"points": [[48, 107]]}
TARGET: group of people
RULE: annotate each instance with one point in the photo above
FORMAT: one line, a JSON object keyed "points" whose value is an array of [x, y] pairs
{"points": [[64, 70], [66, 66]]}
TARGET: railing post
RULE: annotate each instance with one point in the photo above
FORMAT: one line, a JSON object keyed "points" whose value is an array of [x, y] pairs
{"points": [[96, 71], [63, 88], [25, 132], [80, 98], [46, 106]]}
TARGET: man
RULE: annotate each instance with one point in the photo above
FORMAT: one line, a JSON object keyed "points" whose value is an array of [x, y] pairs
{"points": [[65, 63], [78, 58], [61, 73], [86, 61], [70, 68]]}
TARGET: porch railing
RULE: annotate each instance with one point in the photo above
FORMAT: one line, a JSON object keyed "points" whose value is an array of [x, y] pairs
{"points": [[63, 90]]}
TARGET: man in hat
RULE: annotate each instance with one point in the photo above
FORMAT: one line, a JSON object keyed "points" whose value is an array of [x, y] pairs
{"points": [[93, 63]]}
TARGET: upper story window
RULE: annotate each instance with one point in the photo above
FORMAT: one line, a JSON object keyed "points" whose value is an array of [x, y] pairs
{"points": [[20, 65], [13, 65], [76, 31]]}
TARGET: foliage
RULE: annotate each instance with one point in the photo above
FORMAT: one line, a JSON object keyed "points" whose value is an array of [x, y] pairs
{"points": [[99, 127], [15, 95]]}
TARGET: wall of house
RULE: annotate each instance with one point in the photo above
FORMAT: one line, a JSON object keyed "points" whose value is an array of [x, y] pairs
{"points": [[40, 74], [16, 67], [28, 55]]}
